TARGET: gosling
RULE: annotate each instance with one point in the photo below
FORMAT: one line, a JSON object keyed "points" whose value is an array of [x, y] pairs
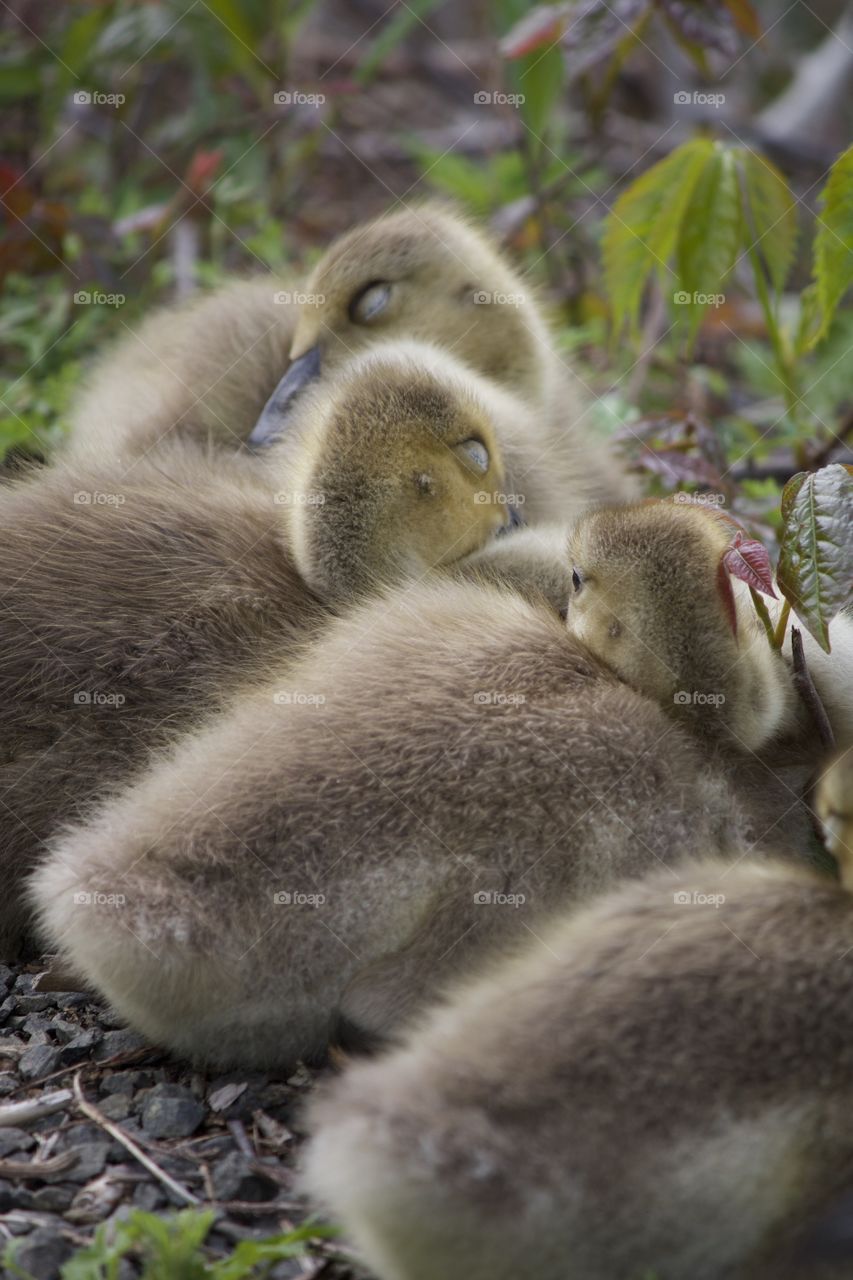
{"points": [[657, 1085]]}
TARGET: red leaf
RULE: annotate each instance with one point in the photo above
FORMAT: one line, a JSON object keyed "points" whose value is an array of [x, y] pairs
{"points": [[748, 560], [543, 25], [202, 170]]}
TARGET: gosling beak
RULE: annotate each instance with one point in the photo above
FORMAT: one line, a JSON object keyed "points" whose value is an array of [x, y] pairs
{"points": [[273, 420], [514, 519]]}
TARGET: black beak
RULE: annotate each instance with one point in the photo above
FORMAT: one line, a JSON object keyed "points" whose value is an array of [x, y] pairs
{"points": [[273, 420]]}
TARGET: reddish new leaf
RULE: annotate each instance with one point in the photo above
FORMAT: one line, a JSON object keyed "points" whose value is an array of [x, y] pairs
{"points": [[542, 26], [748, 560]]}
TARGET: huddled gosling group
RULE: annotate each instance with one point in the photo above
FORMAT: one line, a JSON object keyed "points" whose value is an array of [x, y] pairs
{"points": [[350, 696]]}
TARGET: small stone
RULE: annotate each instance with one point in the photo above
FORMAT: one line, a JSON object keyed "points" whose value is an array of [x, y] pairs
{"points": [[116, 1106], [171, 1111], [34, 1003], [234, 1177], [51, 1199], [125, 1081], [42, 1253], [116, 1042], [146, 1196], [39, 1061], [8, 1197], [64, 1029], [25, 982], [7, 1006], [7, 977], [15, 1140], [37, 1024], [79, 1049], [8, 1083], [91, 1158]]}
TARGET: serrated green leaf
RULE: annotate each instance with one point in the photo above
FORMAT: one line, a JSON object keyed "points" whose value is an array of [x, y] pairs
{"points": [[815, 570], [809, 321], [833, 245], [771, 214], [710, 234], [643, 228]]}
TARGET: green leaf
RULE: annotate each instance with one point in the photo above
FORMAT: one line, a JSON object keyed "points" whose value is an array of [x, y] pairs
{"points": [[395, 30], [539, 77], [710, 235], [833, 246], [643, 228], [816, 551], [771, 215]]}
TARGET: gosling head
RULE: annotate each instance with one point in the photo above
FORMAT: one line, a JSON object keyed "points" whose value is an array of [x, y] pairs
{"points": [[651, 597], [834, 804], [393, 468], [420, 273]]}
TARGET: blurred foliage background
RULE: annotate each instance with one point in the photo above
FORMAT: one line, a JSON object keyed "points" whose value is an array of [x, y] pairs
{"points": [[151, 148]]}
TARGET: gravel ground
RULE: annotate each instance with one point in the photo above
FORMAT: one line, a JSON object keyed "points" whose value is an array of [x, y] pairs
{"points": [[230, 1140]]}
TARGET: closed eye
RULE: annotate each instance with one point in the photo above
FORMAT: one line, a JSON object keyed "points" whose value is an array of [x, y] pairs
{"points": [[369, 302]]}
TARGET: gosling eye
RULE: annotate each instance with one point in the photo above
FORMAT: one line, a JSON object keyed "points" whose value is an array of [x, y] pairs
{"points": [[475, 454], [369, 302], [577, 581]]}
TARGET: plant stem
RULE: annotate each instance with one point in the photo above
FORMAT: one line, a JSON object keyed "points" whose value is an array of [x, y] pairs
{"points": [[779, 634], [785, 365], [761, 610]]}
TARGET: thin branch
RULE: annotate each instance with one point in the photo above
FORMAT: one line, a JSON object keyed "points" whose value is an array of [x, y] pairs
{"points": [[127, 1142], [806, 688], [18, 1113]]}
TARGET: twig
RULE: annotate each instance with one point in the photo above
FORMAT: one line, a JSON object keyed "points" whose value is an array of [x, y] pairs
{"points": [[25, 1169], [807, 691], [779, 634], [17, 1113], [127, 1142]]}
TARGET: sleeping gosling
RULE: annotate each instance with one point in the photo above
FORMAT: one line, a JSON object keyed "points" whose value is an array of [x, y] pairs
{"points": [[659, 1084], [446, 765]]}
